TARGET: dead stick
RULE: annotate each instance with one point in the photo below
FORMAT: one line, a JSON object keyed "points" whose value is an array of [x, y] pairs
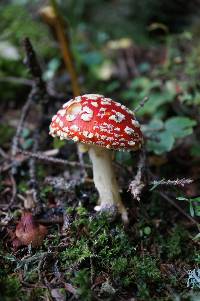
{"points": [[176, 182], [33, 65], [14, 191], [42, 157], [167, 198], [23, 116], [141, 104]]}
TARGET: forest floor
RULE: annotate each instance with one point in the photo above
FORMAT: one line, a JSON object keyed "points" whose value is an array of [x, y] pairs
{"points": [[78, 254]]}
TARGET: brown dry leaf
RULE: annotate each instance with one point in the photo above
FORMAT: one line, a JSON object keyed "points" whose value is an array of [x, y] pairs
{"points": [[28, 231]]}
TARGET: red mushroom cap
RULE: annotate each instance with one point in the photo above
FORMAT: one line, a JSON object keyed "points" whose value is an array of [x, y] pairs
{"points": [[95, 119]]}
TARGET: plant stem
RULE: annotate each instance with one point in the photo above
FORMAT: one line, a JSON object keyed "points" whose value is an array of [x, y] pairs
{"points": [[65, 47]]}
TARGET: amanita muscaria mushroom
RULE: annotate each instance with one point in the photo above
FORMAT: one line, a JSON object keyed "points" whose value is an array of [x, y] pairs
{"points": [[101, 124]]}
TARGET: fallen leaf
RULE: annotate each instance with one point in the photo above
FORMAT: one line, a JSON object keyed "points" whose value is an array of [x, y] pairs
{"points": [[29, 231]]}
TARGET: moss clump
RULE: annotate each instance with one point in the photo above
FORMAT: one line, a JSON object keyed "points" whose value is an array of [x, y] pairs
{"points": [[146, 268], [112, 251], [173, 245], [10, 286], [82, 282]]}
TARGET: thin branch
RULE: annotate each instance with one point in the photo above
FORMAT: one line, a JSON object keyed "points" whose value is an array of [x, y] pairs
{"points": [[38, 91], [3, 154], [14, 191], [17, 80], [33, 193], [23, 116], [173, 203], [176, 182], [33, 65], [141, 104], [40, 156], [32, 169]]}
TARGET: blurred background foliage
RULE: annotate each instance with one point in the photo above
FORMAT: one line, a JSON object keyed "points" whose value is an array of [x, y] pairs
{"points": [[126, 49]]}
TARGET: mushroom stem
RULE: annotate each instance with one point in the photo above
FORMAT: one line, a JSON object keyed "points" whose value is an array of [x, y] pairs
{"points": [[105, 181]]}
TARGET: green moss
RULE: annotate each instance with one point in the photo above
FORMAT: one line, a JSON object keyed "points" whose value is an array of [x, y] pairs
{"points": [[10, 286], [172, 246], [145, 268], [45, 190], [76, 253], [143, 292], [112, 251], [82, 282], [37, 294], [95, 247], [197, 257], [23, 186]]}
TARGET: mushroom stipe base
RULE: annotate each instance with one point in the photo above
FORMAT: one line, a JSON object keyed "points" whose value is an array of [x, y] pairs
{"points": [[105, 181]]}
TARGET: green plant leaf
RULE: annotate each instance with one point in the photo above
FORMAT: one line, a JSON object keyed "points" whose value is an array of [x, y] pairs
{"points": [[181, 198], [195, 150], [197, 237], [180, 126], [154, 125], [197, 199], [197, 210], [164, 144], [191, 208]]}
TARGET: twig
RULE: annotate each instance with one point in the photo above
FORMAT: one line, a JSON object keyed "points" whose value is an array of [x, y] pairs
{"points": [[177, 182], [136, 186], [23, 116], [3, 154], [42, 100], [167, 198], [141, 104], [38, 91], [62, 184], [16, 80], [6, 167], [33, 65], [14, 191], [40, 156], [33, 193], [32, 169]]}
